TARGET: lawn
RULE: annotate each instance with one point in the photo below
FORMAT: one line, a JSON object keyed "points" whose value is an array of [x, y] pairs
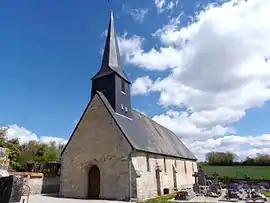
{"points": [[161, 199], [267, 194], [254, 172]]}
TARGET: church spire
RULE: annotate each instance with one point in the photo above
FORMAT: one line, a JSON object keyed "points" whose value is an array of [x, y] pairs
{"points": [[111, 57]]}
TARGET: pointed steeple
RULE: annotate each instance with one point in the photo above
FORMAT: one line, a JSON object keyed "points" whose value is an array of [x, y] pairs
{"points": [[111, 57]]}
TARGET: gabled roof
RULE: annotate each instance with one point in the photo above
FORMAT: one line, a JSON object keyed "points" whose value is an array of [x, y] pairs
{"points": [[144, 134], [111, 62]]}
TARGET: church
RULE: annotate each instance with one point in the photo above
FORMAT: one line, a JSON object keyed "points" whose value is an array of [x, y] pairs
{"points": [[116, 152]]}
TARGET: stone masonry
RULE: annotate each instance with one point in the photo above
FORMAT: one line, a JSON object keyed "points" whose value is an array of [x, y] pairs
{"points": [[147, 182], [97, 141]]}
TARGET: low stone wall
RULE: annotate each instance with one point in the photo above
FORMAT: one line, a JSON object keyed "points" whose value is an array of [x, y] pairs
{"points": [[38, 183]]}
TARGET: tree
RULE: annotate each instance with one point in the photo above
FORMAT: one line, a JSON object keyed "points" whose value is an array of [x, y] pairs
{"points": [[220, 158], [2, 136], [259, 160], [31, 153]]}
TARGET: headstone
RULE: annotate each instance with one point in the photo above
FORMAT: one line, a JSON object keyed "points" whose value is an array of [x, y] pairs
{"points": [[201, 177]]}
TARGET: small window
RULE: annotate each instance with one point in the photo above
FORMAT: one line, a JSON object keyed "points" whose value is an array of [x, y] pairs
{"points": [[165, 168], [147, 162], [122, 107], [185, 167], [123, 86], [193, 167]]}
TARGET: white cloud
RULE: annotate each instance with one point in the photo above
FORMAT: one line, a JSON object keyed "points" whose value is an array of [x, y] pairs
{"points": [[141, 85], [185, 126], [138, 14], [253, 145], [165, 5], [130, 46], [217, 72], [24, 135]]}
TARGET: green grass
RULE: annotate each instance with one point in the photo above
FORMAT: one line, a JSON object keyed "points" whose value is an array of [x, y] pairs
{"points": [[254, 172], [161, 199], [267, 194]]}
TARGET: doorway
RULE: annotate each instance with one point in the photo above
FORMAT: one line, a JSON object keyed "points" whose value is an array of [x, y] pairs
{"points": [[94, 183]]}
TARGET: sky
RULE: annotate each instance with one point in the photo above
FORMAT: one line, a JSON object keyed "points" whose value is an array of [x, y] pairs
{"points": [[199, 68]]}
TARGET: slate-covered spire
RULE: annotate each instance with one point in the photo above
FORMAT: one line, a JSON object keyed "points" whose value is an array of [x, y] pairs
{"points": [[111, 57]]}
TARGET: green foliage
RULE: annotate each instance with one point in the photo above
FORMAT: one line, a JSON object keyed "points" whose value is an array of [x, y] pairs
{"points": [[220, 158], [228, 159], [21, 155], [2, 137], [238, 172], [260, 160]]}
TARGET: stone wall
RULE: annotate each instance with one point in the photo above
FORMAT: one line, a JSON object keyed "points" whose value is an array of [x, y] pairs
{"points": [[97, 141], [146, 177], [38, 183]]}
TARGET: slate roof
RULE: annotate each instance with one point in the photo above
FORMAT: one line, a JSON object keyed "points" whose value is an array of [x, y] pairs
{"points": [[111, 57], [144, 134]]}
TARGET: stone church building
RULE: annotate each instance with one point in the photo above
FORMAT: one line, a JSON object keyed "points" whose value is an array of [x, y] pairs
{"points": [[116, 152]]}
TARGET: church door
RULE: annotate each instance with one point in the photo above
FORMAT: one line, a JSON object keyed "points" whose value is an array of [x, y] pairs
{"points": [[158, 181], [94, 183]]}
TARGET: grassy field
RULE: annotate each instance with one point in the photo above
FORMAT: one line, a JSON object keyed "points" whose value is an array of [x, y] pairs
{"points": [[267, 194], [254, 172]]}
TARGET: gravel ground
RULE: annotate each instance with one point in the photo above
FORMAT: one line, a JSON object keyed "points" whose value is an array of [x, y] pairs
{"points": [[55, 199]]}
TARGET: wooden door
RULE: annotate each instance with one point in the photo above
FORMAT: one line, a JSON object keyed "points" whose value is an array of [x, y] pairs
{"points": [[94, 183]]}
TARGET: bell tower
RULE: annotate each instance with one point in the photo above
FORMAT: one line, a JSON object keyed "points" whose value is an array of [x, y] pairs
{"points": [[111, 79]]}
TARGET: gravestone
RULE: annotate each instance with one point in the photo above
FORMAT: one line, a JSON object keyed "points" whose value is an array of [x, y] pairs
{"points": [[201, 177]]}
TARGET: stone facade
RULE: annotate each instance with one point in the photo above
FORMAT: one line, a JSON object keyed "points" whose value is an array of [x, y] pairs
{"points": [[97, 141], [172, 173]]}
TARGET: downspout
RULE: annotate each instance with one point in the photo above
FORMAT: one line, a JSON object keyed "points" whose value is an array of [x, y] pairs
{"points": [[130, 176]]}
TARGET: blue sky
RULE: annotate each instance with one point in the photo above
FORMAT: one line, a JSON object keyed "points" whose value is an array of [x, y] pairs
{"points": [[49, 50]]}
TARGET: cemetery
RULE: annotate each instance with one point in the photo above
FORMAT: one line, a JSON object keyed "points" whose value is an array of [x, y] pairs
{"points": [[18, 187], [205, 190]]}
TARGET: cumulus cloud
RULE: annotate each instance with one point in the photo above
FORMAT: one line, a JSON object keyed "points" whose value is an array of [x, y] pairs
{"points": [[24, 135], [217, 71], [141, 85]]}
